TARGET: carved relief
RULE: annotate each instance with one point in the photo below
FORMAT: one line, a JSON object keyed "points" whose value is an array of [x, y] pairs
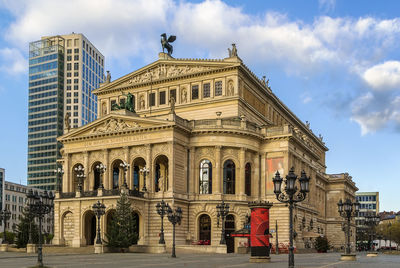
{"points": [[116, 153], [205, 152], [183, 95], [113, 125], [96, 156], [138, 151], [166, 71], [231, 88], [161, 149]]}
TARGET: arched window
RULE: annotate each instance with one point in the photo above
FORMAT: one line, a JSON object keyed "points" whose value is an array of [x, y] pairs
{"points": [[229, 177], [247, 179], [205, 229], [115, 177], [157, 178], [96, 179], [205, 177], [136, 174]]}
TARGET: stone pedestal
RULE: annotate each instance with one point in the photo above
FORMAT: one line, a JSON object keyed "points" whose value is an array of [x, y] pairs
{"points": [[260, 259], [348, 257], [3, 247], [98, 248], [31, 248], [100, 192], [372, 254]]}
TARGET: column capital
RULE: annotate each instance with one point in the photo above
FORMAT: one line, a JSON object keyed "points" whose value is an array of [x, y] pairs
{"points": [[218, 147]]}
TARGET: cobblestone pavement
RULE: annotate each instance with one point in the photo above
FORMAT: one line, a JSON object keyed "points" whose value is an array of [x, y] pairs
{"points": [[116, 260]]}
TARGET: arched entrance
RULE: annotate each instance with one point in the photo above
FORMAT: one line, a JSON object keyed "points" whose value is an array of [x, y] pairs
{"points": [[90, 227], [205, 229], [138, 182], [161, 174], [230, 228], [137, 226]]}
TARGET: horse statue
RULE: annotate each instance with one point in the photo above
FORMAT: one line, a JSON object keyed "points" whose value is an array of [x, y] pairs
{"points": [[165, 43], [127, 105]]}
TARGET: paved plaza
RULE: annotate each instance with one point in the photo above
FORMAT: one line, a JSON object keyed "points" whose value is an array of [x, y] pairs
{"points": [[116, 260]]}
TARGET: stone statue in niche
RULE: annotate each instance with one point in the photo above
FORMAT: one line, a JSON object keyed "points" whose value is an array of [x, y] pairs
{"points": [[231, 88], [172, 103], [108, 77], [103, 108], [67, 124], [142, 102], [184, 96]]}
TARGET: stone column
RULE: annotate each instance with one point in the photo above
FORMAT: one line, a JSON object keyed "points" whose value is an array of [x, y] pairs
{"points": [[217, 181], [191, 167], [149, 165], [171, 167], [241, 178], [67, 174], [106, 180], [128, 172], [88, 183], [255, 180], [263, 176]]}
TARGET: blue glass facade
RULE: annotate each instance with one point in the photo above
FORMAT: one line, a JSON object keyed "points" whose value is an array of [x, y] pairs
{"points": [[45, 110]]}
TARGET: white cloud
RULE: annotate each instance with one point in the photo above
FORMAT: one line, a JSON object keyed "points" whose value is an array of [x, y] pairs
{"points": [[128, 30], [327, 5], [385, 76], [12, 61]]}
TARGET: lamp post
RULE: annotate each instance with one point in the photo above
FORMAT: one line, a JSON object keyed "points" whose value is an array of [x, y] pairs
{"points": [[99, 210], [291, 196], [348, 210], [223, 210], [59, 173], [162, 210], [371, 220], [174, 217], [145, 171], [390, 236], [4, 216], [80, 174], [101, 168], [40, 205]]}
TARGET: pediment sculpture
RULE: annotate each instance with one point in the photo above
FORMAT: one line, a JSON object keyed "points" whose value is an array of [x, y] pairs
{"points": [[166, 71], [113, 125]]}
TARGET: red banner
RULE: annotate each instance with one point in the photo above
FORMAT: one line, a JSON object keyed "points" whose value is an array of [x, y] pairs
{"points": [[259, 236]]}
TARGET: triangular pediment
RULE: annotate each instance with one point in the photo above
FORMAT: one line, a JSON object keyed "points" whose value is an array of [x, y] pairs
{"points": [[113, 124], [164, 69]]}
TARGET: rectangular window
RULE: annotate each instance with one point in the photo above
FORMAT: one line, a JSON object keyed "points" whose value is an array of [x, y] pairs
{"points": [[76, 100], [76, 87], [68, 81], [206, 90], [75, 107], [69, 51], [68, 87], [68, 108], [76, 81], [75, 113], [195, 92], [68, 101], [76, 66], [76, 74], [172, 94], [69, 67], [218, 88], [152, 99], [76, 57], [69, 74], [76, 50], [162, 97], [69, 58], [69, 42]]}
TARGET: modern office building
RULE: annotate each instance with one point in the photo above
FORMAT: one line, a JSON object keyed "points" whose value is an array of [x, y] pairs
{"points": [[63, 71], [15, 202]]}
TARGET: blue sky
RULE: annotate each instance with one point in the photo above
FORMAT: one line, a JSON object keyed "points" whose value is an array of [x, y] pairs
{"points": [[335, 64]]}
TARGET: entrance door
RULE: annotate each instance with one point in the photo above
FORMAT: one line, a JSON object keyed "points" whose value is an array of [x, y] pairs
{"points": [[230, 228], [90, 228]]}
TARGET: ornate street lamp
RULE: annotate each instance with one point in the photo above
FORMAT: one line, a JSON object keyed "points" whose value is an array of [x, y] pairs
{"points": [[101, 168], [59, 172], [125, 166], [145, 171], [223, 210], [40, 205], [162, 210], [291, 196], [80, 174], [4, 216], [371, 220], [174, 218], [99, 210], [348, 210]]}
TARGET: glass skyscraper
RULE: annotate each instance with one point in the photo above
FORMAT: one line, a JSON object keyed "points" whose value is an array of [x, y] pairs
{"points": [[63, 72]]}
